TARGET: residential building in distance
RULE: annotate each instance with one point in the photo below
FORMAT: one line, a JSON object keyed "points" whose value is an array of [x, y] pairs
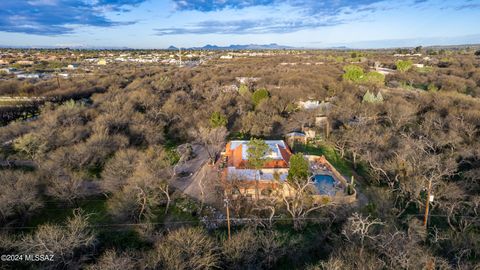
{"points": [[102, 62], [295, 137], [309, 104], [72, 66], [24, 62]]}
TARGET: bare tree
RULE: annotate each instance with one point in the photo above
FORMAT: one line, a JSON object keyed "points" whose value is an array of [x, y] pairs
{"points": [[212, 139], [298, 199], [241, 251], [185, 248], [144, 189], [348, 257], [272, 247], [19, 194], [66, 185], [63, 242], [253, 249], [31, 144], [268, 204], [361, 228], [157, 172], [119, 169], [113, 260]]}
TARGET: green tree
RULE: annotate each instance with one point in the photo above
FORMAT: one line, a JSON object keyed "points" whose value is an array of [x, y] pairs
{"points": [[298, 168], [259, 95], [243, 90], [256, 151], [353, 73], [217, 119], [477, 53], [404, 65]]}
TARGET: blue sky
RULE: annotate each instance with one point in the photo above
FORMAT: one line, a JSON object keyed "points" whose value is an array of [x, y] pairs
{"points": [[187, 23]]}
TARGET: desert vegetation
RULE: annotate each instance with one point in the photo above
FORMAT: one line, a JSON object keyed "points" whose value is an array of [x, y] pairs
{"points": [[95, 178]]}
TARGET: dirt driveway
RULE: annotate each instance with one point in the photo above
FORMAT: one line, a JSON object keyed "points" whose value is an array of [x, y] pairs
{"points": [[196, 178]]}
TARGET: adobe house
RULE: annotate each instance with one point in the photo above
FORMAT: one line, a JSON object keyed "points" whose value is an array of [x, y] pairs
{"points": [[295, 137], [241, 178]]}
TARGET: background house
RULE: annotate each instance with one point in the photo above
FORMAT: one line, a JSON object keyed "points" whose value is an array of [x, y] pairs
{"points": [[295, 137]]}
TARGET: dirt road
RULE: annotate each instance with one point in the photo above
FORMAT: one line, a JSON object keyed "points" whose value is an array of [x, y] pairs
{"points": [[200, 179]]}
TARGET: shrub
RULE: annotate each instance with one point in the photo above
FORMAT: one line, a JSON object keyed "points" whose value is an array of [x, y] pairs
{"points": [[432, 87], [371, 98], [217, 119], [375, 78], [243, 90], [353, 73], [259, 95], [30, 144], [404, 65]]}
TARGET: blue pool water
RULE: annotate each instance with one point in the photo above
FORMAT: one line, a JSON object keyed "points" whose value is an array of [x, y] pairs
{"points": [[325, 184]]}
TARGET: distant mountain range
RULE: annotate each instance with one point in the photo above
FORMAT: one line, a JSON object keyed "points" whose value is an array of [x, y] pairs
{"points": [[275, 46], [272, 46], [55, 47]]}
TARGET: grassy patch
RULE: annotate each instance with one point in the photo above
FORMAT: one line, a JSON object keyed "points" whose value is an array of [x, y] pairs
{"points": [[329, 152], [406, 86], [309, 242], [424, 70], [181, 210], [57, 212], [238, 136], [122, 239], [95, 171], [363, 170]]}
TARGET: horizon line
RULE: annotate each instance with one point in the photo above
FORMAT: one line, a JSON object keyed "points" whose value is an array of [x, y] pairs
{"points": [[227, 47]]}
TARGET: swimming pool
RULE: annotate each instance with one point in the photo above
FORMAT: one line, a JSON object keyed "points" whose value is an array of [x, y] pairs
{"points": [[325, 184]]}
